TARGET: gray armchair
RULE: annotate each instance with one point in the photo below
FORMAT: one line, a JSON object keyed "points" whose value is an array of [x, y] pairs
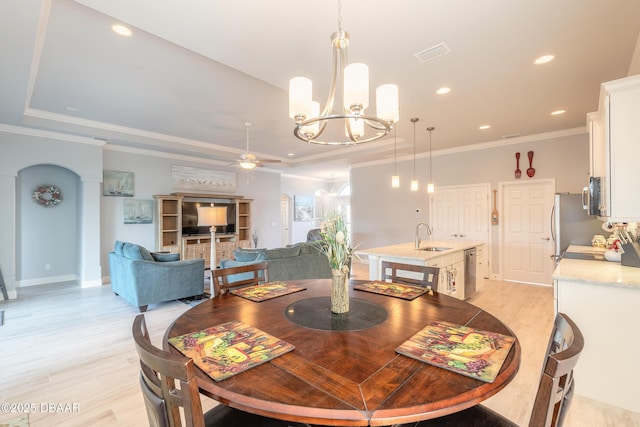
{"points": [[142, 277]]}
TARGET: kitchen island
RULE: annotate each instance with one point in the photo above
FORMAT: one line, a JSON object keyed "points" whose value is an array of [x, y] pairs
{"points": [[603, 299], [448, 255]]}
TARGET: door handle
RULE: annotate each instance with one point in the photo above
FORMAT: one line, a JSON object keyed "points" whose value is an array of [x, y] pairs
{"points": [[545, 238]]}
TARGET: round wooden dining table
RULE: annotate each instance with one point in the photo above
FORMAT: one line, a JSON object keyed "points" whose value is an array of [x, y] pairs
{"points": [[344, 370]]}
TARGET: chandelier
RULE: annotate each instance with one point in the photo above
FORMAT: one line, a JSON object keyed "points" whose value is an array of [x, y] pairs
{"points": [[351, 125]]}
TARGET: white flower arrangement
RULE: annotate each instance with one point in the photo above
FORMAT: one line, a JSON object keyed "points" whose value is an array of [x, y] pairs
{"points": [[335, 241]]}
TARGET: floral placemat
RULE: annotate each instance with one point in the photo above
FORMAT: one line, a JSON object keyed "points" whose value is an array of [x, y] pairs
{"points": [[398, 290], [230, 348], [265, 291], [467, 351]]}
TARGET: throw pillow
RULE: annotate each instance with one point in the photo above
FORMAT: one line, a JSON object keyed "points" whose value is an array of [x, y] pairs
{"points": [[145, 253], [133, 251], [241, 254], [118, 248], [165, 257]]}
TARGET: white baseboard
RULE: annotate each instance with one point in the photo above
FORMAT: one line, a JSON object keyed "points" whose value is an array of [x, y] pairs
{"points": [[45, 280]]}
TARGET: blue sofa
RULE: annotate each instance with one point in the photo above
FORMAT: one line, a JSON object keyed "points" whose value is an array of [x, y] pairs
{"points": [[298, 261], [142, 277]]}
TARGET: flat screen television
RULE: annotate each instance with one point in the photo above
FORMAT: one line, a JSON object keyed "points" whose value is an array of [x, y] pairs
{"points": [[190, 216]]}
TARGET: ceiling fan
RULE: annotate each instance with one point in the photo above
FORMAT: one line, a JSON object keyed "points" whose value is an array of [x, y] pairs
{"points": [[248, 160]]}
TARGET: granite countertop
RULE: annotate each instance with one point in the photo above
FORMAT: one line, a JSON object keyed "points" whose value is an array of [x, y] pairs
{"points": [[408, 250], [596, 272]]}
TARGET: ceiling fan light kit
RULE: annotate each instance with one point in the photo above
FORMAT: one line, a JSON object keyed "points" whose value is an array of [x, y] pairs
{"points": [[359, 127], [249, 161]]}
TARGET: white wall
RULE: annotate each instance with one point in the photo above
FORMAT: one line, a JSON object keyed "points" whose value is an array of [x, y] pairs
{"points": [[47, 235], [382, 215], [296, 186], [23, 148]]}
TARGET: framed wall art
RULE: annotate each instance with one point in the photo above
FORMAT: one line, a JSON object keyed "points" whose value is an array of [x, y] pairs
{"points": [[138, 211], [189, 178], [116, 183], [303, 208]]}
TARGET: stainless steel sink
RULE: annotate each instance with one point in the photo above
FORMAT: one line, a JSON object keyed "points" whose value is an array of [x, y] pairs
{"points": [[433, 249]]}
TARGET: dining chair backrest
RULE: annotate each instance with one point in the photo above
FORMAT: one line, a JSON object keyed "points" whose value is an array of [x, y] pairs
{"points": [[160, 372], [417, 275], [556, 385], [244, 275]]}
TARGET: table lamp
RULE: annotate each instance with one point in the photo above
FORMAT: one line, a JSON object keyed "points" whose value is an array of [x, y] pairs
{"points": [[212, 216]]}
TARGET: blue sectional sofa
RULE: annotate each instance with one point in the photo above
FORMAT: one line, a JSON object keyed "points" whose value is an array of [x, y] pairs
{"points": [[142, 277]]}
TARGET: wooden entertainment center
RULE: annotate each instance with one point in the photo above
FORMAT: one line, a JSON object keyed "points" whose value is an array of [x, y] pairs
{"points": [[169, 227]]}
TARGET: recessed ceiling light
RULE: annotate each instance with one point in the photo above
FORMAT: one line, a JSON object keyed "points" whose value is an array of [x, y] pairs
{"points": [[443, 90], [290, 154], [484, 127], [121, 30], [558, 112], [544, 59]]}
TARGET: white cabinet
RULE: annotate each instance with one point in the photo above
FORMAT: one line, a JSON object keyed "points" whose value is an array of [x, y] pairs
{"points": [[615, 148], [607, 315], [482, 269], [451, 279]]}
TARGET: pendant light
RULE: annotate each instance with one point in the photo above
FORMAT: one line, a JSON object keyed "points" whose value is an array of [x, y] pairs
{"points": [[414, 181], [430, 186], [395, 179]]}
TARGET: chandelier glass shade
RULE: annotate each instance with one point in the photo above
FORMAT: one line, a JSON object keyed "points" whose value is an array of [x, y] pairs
{"points": [[350, 124]]}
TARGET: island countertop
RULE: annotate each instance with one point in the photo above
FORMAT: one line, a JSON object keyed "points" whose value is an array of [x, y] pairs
{"points": [[596, 272], [450, 259], [408, 250]]}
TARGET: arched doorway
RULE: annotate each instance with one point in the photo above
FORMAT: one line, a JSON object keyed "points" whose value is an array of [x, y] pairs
{"points": [[47, 232]]}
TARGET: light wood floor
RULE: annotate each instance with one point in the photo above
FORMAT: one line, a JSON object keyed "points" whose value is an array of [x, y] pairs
{"points": [[72, 347]]}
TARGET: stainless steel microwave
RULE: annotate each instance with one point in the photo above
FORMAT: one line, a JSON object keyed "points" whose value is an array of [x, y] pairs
{"points": [[592, 197]]}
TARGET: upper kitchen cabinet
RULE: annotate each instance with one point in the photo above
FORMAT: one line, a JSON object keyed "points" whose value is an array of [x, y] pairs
{"points": [[615, 148]]}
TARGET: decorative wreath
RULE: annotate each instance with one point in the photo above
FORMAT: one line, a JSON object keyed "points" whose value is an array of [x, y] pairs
{"points": [[47, 195]]}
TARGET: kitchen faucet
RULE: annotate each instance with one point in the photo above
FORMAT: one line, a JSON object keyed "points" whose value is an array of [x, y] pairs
{"points": [[418, 232]]}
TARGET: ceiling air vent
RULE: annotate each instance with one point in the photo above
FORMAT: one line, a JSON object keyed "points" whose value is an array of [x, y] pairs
{"points": [[513, 135], [432, 53]]}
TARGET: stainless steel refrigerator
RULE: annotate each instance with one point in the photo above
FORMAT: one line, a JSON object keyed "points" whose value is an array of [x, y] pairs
{"points": [[571, 224]]}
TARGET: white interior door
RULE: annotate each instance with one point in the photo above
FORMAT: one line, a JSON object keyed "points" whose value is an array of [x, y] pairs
{"points": [[526, 242], [473, 217], [461, 213], [285, 220], [444, 211]]}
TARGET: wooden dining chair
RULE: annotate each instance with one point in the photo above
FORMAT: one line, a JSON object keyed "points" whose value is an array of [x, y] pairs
{"points": [[244, 275], [405, 273], [161, 371], [555, 388]]}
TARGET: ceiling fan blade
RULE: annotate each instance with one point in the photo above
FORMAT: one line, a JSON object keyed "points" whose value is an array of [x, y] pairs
{"points": [[269, 161]]}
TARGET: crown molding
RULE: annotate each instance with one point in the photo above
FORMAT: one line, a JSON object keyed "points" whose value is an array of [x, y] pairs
{"points": [[485, 145]]}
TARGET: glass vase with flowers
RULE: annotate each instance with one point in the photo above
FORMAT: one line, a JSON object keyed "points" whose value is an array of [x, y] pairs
{"points": [[335, 245]]}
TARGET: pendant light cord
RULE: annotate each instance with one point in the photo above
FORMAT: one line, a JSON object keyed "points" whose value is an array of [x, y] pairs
{"points": [[414, 120], [430, 129]]}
